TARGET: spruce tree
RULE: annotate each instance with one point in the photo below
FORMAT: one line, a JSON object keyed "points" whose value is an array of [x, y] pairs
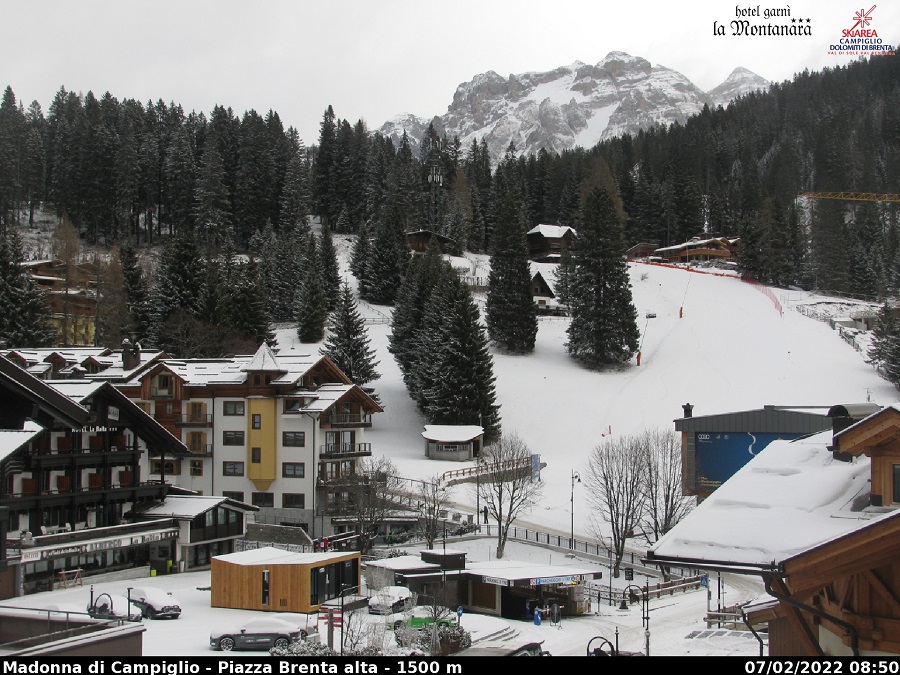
{"points": [[328, 263], [603, 330], [460, 386], [24, 312], [359, 258], [884, 352], [347, 341], [386, 265], [310, 307], [510, 313]]}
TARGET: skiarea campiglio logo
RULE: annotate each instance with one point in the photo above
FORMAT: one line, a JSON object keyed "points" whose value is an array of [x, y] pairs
{"points": [[861, 38]]}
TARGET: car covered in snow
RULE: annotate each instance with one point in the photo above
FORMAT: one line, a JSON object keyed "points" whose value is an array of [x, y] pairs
{"points": [[390, 600], [260, 634], [154, 603]]}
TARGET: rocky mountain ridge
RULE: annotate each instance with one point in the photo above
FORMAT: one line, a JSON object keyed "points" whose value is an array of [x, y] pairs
{"points": [[569, 106]]}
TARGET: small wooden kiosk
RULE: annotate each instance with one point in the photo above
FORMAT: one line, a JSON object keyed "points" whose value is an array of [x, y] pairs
{"points": [[271, 579]]}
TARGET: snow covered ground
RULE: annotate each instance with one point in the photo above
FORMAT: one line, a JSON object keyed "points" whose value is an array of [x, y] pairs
{"points": [[676, 626]]}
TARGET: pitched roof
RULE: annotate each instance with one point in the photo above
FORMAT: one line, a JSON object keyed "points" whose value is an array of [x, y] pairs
{"points": [[448, 433], [264, 361], [791, 497], [551, 231]]}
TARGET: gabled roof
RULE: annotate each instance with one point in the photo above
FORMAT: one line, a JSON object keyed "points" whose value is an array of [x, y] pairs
{"points": [[50, 401], [187, 507], [449, 433], [264, 361], [551, 231], [13, 439], [792, 497]]}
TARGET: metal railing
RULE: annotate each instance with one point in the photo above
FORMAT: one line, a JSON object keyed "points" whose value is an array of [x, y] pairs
{"points": [[345, 448]]}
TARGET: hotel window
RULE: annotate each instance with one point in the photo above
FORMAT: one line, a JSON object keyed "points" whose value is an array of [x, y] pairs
{"points": [[196, 467], [293, 470], [233, 408], [170, 468], [257, 421], [293, 439], [232, 468], [262, 499], [255, 455], [232, 438], [290, 500], [237, 496], [292, 405]]}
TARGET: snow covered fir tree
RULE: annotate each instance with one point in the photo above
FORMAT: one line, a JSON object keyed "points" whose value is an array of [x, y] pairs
{"points": [[346, 341], [603, 331]]}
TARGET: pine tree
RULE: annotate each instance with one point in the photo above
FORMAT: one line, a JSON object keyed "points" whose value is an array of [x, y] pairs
{"points": [[884, 352], [331, 273], [311, 312], [136, 291], [603, 330], [347, 342], [212, 204], [359, 258], [386, 265], [24, 313], [459, 386], [510, 313], [176, 287]]}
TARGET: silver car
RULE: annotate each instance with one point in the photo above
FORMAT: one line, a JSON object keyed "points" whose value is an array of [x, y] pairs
{"points": [[260, 634]]}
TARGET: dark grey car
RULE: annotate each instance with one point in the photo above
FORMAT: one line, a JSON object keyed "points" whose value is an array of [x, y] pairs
{"points": [[259, 634]]}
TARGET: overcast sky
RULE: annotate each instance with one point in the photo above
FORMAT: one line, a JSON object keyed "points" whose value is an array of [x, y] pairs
{"points": [[373, 59]]}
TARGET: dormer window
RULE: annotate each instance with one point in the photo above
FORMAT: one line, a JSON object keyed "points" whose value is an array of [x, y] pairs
{"points": [[292, 405]]}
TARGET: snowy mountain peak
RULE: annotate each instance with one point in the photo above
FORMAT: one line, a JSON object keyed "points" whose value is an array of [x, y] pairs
{"points": [[569, 106]]}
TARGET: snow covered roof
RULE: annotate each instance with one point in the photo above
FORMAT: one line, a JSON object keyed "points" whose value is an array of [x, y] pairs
{"points": [[13, 439], [326, 396], [184, 507], [263, 360], [512, 570], [77, 390], [276, 556], [448, 433], [551, 231], [791, 497], [403, 562]]}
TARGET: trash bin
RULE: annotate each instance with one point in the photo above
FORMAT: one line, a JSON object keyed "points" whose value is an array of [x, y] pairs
{"points": [[168, 566], [152, 572], [537, 616]]}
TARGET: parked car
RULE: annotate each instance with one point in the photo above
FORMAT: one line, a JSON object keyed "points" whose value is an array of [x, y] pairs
{"points": [[154, 603], [389, 600], [261, 634]]}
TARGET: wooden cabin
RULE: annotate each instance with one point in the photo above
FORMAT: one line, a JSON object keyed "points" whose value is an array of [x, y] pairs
{"points": [[275, 580]]}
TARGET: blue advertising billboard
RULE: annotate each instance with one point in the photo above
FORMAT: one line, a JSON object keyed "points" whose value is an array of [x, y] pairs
{"points": [[720, 454]]}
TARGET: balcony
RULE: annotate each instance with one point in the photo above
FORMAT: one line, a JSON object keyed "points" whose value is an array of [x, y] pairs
{"points": [[357, 420], [162, 392], [344, 450], [193, 420], [201, 449]]}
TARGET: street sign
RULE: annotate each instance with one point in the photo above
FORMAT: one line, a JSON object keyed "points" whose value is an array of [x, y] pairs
{"points": [[629, 574], [459, 612]]}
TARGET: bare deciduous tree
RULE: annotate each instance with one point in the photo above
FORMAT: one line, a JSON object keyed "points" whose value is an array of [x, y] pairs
{"points": [[664, 500], [614, 482], [372, 489], [506, 485], [434, 499]]}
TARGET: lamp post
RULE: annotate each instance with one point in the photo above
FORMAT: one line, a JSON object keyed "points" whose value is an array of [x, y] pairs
{"points": [[575, 477], [344, 589]]}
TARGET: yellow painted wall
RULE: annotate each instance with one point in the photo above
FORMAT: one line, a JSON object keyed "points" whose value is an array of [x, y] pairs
{"points": [[263, 438]]}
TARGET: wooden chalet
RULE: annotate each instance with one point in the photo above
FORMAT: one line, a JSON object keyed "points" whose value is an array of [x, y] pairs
{"points": [[419, 241], [546, 243], [827, 546], [643, 249], [699, 250], [274, 580], [71, 291]]}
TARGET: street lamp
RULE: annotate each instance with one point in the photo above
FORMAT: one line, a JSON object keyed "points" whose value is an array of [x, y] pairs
{"points": [[344, 589], [624, 603], [575, 477]]}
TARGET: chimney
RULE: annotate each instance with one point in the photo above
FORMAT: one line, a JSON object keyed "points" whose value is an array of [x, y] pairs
{"points": [[131, 354], [688, 410], [840, 420]]}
